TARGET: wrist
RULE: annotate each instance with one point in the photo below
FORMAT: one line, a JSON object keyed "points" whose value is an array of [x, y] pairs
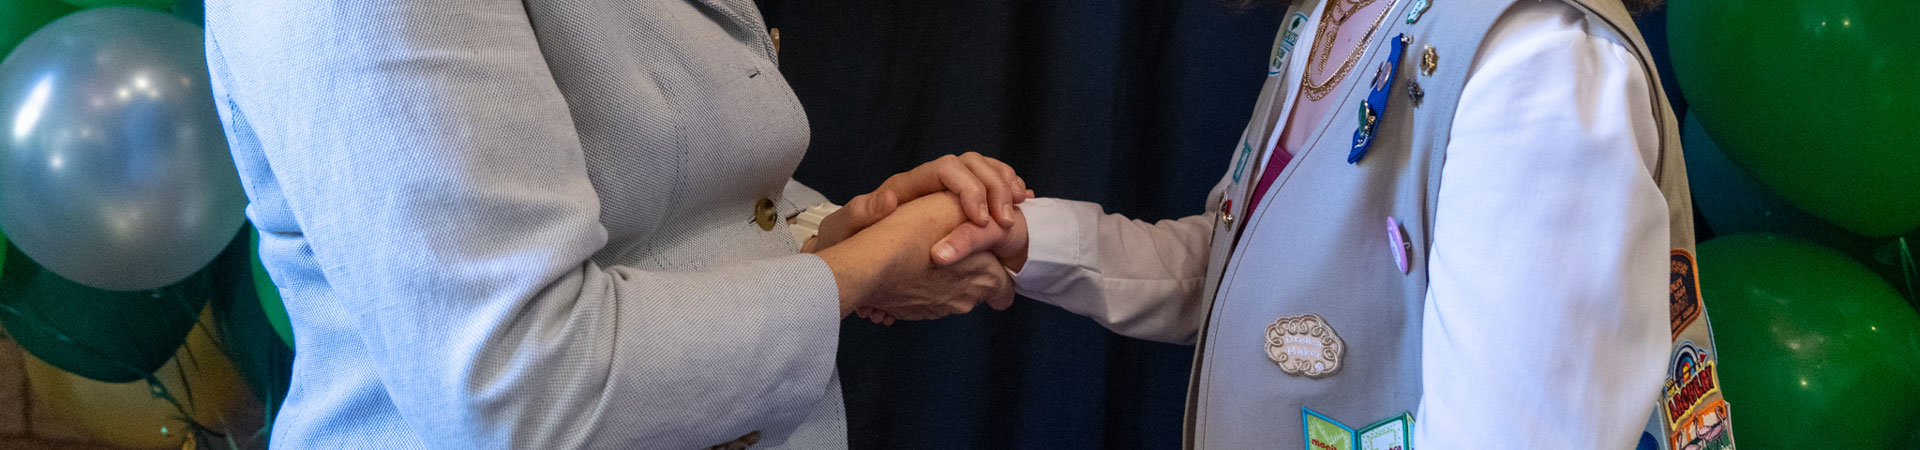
{"points": [[858, 268]]}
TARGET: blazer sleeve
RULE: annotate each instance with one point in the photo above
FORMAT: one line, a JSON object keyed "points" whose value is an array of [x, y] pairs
{"points": [[432, 165], [1139, 279]]}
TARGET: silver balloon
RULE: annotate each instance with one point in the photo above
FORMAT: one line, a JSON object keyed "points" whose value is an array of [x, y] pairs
{"points": [[114, 171]]}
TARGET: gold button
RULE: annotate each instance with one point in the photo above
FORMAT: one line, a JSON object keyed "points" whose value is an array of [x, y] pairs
{"points": [[774, 35], [763, 214], [740, 443]]}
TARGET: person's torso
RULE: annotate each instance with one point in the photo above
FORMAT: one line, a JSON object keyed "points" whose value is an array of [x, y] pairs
{"points": [[1318, 295], [685, 125]]}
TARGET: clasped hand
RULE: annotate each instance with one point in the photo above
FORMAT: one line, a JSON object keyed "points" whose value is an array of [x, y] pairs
{"points": [[930, 242]]}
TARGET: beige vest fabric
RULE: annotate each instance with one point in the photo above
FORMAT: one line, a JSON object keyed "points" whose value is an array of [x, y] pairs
{"points": [[1318, 244]]}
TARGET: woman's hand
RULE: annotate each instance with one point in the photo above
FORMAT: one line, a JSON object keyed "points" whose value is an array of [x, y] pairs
{"points": [[988, 188], [888, 266], [983, 184]]}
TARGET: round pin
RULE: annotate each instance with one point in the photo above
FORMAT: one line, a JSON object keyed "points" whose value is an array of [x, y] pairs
{"points": [[1382, 75], [1401, 247]]}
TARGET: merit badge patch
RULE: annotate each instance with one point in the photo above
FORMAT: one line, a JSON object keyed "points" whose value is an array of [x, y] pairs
{"points": [[1278, 64], [1305, 346], [1325, 434], [1683, 292], [1690, 379], [1395, 433], [1706, 430]]}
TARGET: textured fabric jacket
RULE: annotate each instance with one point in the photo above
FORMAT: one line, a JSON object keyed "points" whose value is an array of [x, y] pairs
{"points": [[1317, 318], [505, 224]]}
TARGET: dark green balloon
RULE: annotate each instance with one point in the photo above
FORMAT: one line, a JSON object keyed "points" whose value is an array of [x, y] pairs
{"points": [[19, 18], [269, 294], [1819, 99], [1815, 351], [162, 5], [262, 358], [110, 336]]}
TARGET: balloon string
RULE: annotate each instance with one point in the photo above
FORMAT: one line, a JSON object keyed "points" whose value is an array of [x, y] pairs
{"points": [[1907, 269]]}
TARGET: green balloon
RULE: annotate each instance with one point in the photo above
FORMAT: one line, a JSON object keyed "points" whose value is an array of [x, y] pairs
{"points": [[1819, 99], [162, 5], [1815, 351], [19, 18], [111, 336], [269, 294]]}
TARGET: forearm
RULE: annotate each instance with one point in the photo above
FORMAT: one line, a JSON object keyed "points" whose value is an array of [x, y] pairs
{"points": [[1139, 279]]}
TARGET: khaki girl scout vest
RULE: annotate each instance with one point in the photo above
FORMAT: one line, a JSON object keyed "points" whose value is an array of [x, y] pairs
{"points": [[1270, 370]]}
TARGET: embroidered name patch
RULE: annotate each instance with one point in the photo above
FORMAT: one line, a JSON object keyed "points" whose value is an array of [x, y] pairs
{"points": [[1305, 346]]}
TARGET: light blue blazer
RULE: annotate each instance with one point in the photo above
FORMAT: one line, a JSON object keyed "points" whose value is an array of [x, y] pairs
{"points": [[506, 224]]}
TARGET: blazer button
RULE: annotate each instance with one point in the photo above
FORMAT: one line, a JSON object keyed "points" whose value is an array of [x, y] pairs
{"points": [[764, 214], [739, 444]]}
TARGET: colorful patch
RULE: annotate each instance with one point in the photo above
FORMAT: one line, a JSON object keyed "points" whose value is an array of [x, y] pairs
{"points": [[1278, 64], [1690, 380], [1305, 346], [1709, 429], [1395, 433], [1246, 157], [1325, 434], [1683, 292]]}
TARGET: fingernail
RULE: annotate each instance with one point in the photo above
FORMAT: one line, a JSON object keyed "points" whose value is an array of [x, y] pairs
{"points": [[983, 211], [943, 252], [1006, 212]]}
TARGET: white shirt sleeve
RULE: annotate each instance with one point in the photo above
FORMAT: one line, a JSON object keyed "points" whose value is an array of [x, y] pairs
{"points": [[1546, 305], [1138, 279]]}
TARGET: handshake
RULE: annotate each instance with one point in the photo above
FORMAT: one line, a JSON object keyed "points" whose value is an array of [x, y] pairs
{"points": [[929, 242]]}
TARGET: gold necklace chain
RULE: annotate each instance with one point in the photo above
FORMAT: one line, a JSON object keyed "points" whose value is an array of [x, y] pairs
{"points": [[1323, 48]]}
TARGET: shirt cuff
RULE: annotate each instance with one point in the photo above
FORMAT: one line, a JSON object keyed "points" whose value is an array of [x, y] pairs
{"points": [[1054, 247]]}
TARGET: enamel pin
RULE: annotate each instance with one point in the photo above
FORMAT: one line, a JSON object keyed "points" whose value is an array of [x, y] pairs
{"points": [[1429, 60], [1419, 8]]}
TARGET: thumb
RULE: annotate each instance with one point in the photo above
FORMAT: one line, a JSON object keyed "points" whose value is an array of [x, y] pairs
{"points": [[965, 240], [859, 213], [870, 208]]}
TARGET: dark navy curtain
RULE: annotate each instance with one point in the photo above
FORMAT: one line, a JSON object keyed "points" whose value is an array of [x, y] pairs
{"points": [[1132, 104]]}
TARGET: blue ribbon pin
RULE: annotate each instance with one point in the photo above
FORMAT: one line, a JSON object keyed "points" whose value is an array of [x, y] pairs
{"points": [[1375, 107]]}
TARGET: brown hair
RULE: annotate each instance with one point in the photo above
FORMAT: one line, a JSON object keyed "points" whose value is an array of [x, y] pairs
{"points": [[1242, 5]]}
